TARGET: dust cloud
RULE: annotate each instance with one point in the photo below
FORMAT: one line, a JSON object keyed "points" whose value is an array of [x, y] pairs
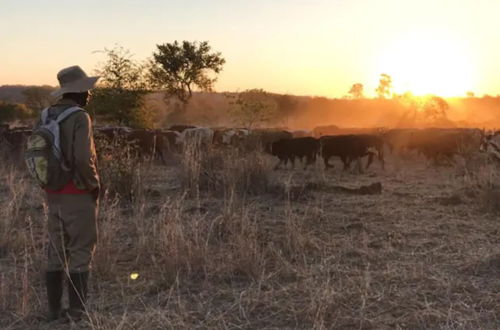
{"points": [[307, 112]]}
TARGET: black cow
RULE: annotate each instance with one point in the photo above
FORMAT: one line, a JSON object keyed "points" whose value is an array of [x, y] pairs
{"points": [[375, 142], [349, 148], [289, 149]]}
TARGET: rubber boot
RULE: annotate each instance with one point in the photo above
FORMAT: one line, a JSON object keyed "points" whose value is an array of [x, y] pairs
{"points": [[54, 284], [77, 294]]}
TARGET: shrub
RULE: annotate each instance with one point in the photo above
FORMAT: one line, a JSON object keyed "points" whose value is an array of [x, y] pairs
{"points": [[224, 171], [119, 169], [482, 183], [121, 91], [13, 111]]}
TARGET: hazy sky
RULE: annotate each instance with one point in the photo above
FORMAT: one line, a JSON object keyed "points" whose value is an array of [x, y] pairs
{"points": [[310, 47]]}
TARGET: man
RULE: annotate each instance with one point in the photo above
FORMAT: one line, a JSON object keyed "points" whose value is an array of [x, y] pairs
{"points": [[73, 209]]}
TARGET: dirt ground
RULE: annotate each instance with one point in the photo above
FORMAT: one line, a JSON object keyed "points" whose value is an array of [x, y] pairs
{"points": [[421, 254]]}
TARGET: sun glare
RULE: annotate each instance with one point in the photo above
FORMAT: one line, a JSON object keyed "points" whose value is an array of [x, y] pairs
{"points": [[428, 64]]}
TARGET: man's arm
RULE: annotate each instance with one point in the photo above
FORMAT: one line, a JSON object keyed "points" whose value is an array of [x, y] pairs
{"points": [[84, 152]]}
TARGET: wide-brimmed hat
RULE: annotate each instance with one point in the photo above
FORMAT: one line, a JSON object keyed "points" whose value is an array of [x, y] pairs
{"points": [[74, 80]]}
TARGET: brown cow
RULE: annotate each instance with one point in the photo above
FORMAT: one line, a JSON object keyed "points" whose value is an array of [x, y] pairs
{"points": [[397, 140], [145, 143], [442, 144]]}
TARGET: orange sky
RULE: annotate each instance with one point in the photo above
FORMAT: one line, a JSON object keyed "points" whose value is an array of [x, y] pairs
{"points": [[298, 47]]}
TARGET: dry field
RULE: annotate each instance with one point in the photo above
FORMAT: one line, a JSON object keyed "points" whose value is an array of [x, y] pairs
{"points": [[219, 240]]}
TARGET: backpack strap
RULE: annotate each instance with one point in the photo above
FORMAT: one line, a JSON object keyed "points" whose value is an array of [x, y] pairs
{"points": [[62, 116], [44, 116], [66, 113], [57, 140]]}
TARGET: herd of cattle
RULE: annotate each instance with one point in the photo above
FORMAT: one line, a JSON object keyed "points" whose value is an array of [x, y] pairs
{"points": [[350, 145]]}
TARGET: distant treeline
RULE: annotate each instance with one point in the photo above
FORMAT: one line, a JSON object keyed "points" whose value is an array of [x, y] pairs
{"points": [[13, 93], [261, 109], [22, 103]]}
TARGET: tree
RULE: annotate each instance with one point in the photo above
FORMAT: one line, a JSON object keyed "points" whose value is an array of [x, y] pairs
{"points": [[356, 91], [384, 87], [178, 68], [13, 111], [38, 97], [422, 111], [286, 106], [252, 107], [121, 90], [435, 108]]}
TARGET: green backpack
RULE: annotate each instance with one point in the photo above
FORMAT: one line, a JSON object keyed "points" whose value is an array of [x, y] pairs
{"points": [[43, 154]]}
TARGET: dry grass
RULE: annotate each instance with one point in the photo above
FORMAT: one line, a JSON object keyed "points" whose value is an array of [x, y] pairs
{"points": [[216, 246], [120, 170], [481, 177], [224, 172]]}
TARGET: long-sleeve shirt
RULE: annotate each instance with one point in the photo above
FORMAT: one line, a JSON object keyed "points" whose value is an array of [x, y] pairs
{"points": [[78, 149]]}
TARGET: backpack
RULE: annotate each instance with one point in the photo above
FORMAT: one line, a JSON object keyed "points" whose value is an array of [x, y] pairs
{"points": [[43, 155]]}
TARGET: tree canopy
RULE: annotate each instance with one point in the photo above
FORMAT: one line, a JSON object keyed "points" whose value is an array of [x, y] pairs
{"points": [[121, 90], [385, 85], [178, 68], [12, 111], [357, 91], [38, 97], [253, 107]]}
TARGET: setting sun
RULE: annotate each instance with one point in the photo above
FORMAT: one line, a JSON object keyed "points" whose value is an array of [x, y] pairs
{"points": [[426, 63]]}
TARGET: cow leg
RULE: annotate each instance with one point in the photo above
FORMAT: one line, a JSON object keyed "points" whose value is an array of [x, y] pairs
{"points": [[281, 160], [308, 161], [314, 157], [370, 160], [346, 161], [161, 153], [381, 159], [359, 165], [162, 158], [325, 160]]}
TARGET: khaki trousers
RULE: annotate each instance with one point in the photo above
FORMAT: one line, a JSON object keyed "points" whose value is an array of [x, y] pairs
{"points": [[72, 227]]}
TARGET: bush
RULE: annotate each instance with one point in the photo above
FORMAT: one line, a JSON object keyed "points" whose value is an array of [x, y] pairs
{"points": [[121, 92], [122, 106], [224, 171], [483, 182], [119, 169], [13, 111]]}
